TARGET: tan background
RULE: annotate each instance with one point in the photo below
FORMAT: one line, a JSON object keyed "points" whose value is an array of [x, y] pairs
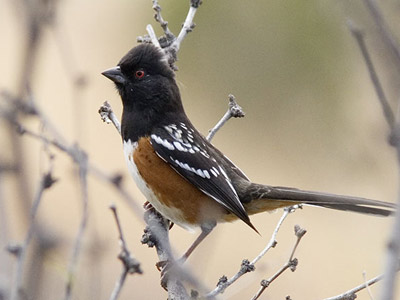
{"points": [[312, 122]]}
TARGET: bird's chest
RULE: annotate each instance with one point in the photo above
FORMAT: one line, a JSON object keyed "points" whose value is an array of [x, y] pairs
{"points": [[168, 192]]}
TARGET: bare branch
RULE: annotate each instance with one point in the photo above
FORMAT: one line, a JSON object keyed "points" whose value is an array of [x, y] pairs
{"points": [[272, 242], [246, 267], [130, 264], [108, 116], [367, 286], [290, 264], [386, 33], [45, 182], [387, 111], [351, 294], [170, 44], [391, 265], [164, 24], [156, 234], [152, 35], [60, 144], [392, 256], [234, 111], [82, 161], [188, 26]]}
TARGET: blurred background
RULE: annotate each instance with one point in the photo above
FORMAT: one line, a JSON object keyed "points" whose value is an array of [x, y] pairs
{"points": [[312, 121]]}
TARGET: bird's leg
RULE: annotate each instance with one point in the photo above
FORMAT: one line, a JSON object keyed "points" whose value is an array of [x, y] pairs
{"points": [[167, 267], [147, 206], [206, 229]]}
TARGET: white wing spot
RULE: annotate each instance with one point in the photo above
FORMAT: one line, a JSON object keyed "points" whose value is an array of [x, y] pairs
{"points": [[205, 154], [162, 142], [200, 173], [179, 147], [169, 129], [215, 170]]}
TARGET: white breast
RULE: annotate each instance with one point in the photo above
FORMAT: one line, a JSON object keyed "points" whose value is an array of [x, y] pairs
{"points": [[171, 213]]}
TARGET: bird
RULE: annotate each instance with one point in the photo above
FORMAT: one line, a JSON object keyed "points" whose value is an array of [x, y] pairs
{"points": [[182, 175]]}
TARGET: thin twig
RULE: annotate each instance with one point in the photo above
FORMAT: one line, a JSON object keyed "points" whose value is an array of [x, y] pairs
{"points": [[118, 285], [387, 111], [188, 25], [393, 251], [153, 37], [247, 266], [367, 286], [115, 180], [45, 182], [107, 115], [83, 170], [290, 264], [386, 33], [130, 264], [272, 242], [4, 241], [351, 294], [164, 24], [234, 110], [173, 43]]}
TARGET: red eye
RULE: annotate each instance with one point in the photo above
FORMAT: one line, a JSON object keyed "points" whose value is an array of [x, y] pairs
{"points": [[139, 74]]}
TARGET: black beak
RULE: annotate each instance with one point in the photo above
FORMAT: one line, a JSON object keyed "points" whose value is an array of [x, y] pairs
{"points": [[115, 75]]}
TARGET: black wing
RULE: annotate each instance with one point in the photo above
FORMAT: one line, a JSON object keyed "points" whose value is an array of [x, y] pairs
{"points": [[185, 149]]}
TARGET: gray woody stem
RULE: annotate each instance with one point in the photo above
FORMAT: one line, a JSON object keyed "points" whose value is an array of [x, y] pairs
{"points": [[393, 251], [234, 111]]}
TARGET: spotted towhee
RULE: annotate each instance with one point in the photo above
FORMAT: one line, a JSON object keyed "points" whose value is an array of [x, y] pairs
{"points": [[182, 175]]}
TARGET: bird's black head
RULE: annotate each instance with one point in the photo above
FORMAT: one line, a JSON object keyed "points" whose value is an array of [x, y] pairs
{"points": [[147, 87]]}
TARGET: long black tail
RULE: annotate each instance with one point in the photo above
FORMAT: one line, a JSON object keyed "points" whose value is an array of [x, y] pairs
{"points": [[264, 197]]}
